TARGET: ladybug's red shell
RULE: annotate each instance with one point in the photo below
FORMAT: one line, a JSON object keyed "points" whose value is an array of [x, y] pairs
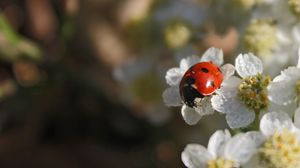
{"points": [[202, 79]]}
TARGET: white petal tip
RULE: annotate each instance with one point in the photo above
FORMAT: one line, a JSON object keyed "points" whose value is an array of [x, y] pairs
{"points": [[248, 65], [213, 54], [190, 116], [171, 97]]}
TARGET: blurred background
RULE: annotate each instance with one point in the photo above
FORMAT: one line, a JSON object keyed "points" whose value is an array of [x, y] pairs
{"points": [[81, 80]]}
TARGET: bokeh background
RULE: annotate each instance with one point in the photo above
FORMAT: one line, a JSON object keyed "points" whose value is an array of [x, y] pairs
{"points": [[81, 81]]}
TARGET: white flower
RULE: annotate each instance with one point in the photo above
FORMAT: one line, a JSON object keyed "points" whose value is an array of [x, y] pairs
{"points": [[240, 98], [270, 41], [282, 52], [222, 151], [281, 146], [285, 88], [178, 27], [171, 95]]}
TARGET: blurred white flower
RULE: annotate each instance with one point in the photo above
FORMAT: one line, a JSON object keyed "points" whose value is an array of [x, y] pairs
{"points": [[180, 28], [281, 145], [171, 95], [260, 37], [287, 25], [243, 98], [223, 151], [190, 11], [271, 8], [136, 90], [285, 88], [270, 41]]}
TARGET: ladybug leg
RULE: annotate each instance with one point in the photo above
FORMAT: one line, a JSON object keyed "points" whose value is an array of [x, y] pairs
{"points": [[198, 101]]}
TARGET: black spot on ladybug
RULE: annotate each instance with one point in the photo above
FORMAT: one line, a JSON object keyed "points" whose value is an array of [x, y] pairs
{"points": [[205, 70], [188, 93], [189, 80], [212, 83]]}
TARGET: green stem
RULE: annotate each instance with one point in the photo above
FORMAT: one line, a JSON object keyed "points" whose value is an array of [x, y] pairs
{"points": [[255, 125]]}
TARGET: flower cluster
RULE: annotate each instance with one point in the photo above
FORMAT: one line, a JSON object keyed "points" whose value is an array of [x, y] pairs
{"points": [[258, 92], [251, 101], [273, 33], [276, 144], [269, 29]]}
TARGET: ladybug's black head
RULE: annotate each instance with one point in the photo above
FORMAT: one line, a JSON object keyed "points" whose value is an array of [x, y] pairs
{"points": [[188, 92]]}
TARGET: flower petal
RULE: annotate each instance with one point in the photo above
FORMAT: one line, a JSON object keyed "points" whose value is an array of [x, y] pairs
{"points": [[213, 54], [227, 70], [257, 137], [173, 76], [171, 96], [289, 109], [189, 115], [231, 82], [297, 118], [240, 148], [275, 121], [248, 65], [291, 73], [195, 156], [217, 142], [225, 100], [240, 118], [282, 92], [186, 63]]}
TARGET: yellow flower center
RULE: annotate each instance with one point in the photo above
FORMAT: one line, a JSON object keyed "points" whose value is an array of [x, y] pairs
{"points": [[260, 37], [294, 6], [220, 163], [177, 34], [253, 92], [281, 150]]}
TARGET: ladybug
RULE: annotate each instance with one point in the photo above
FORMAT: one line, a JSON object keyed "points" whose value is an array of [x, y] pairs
{"points": [[200, 80]]}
